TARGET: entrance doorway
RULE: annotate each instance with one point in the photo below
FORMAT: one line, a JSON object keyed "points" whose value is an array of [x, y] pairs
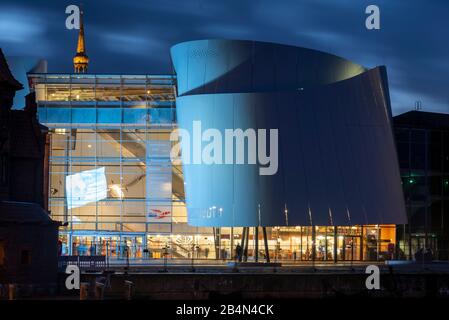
{"points": [[133, 246], [349, 248], [105, 244]]}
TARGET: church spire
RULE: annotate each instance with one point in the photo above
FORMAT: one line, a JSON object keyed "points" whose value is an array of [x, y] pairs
{"points": [[81, 60]]}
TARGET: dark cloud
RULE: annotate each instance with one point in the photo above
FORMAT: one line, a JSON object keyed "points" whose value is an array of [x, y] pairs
{"points": [[135, 36]]}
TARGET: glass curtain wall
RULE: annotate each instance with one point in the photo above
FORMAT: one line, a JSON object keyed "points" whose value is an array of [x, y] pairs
{"points": [[113, 184], [424, 162]]}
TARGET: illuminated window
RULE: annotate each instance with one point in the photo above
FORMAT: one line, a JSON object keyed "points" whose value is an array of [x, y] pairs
{"points": [[60, 131]]}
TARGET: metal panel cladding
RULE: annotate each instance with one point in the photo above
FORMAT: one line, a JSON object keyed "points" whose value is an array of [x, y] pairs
{"points": [[337, 162]]}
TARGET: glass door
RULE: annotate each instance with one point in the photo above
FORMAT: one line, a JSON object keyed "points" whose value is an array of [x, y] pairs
{"points": [[132, 246], [350, 248], [330, 247], [107, 245]]}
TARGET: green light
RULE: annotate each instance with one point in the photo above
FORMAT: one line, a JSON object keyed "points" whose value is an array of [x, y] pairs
{"points": [[446, 183], [411, 181]]}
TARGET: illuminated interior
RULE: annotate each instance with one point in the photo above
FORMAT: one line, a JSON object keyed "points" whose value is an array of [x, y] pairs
{"points": [[111, 134]]}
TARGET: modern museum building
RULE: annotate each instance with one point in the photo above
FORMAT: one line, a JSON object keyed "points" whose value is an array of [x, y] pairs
{"points": [[124, 181]]}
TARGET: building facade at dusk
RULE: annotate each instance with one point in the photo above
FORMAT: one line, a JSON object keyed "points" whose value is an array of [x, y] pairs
{"points": [[113, 183], [28, 236], [336, 159], [422, 140], [112, 180]]}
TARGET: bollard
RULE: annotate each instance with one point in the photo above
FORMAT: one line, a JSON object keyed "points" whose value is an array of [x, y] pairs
{"points": [[128, 289], [99, 290], [84, 291], [12, 291]]}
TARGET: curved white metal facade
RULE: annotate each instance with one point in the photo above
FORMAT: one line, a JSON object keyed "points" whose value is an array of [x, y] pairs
{"points": [[337, 161]]}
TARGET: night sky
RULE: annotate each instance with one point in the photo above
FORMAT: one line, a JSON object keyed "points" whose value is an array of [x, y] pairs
{"points": [[135, 36]]}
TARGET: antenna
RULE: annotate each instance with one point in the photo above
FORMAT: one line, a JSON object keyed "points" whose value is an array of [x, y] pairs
{"points": [[418, 105]]}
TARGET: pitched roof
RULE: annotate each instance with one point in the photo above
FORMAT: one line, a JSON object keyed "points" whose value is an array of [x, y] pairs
{"points": [[6, 75], [23, 212], [422, 119]]}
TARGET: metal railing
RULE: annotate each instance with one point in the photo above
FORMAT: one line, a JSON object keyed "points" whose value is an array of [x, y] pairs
{"points": [[86, 263]]}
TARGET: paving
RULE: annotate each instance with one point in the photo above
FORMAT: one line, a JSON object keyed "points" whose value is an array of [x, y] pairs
{"points": [[283, 267]]}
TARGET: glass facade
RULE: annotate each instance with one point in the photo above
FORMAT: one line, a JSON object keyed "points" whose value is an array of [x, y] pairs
{"points": [[115, 188], [424, 162]]}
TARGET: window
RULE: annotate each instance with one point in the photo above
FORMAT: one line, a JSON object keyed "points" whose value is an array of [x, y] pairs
{"points": [[60, 131], [2, 253]]}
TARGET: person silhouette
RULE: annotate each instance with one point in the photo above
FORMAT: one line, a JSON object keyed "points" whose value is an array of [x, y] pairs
{"points": [[238, 252]]}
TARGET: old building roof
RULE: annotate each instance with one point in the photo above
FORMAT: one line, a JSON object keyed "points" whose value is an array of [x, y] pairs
{"points": [[422, 119], [23, 212], [6, 76], [25, 135]]}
